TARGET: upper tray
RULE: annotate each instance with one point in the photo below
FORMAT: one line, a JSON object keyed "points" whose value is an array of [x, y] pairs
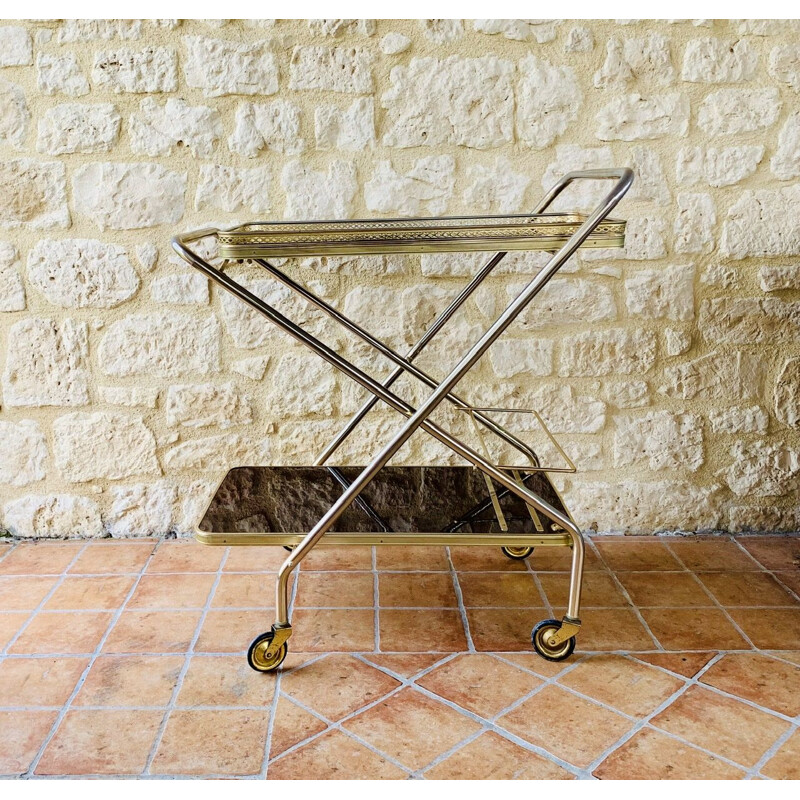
{"points": [[419, 235]]}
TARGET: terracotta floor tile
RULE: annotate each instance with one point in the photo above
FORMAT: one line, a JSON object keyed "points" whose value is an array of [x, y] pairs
{"points": [[627, 554], [599, 590], [40, 558], [785, 764], [424, 558], [686, 664], [774, 552], [693, 629], [664, 589], [337, 685], [622, 683], [256, 590], [292, 725], [788, 655], [39, 681], [67, 632], [186, 556], [491, 757], [24, 594], [412, 728], [331, 589], [10, 623], [565, 725], [95, 594], [484, 559], [336, 558], [559, 559], [770, 628], [113, 557], [766, 681], [721, 725], [101, 741], [535, 663], [416, 590], [479, 683], [610, 629], [232, 631], [254, 559], [508, 590], [130, 681], [152, 632], [790, 579], [333, 756], [23, 735], [229, 742], [650, 755], [503, 629], [404, 664], [746, 589], [422, 630], [172, 591], [332, 630], [708, 555], [224, 681]]}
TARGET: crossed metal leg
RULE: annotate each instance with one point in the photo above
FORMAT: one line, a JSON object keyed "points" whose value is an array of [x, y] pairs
{"points": [[552, 638]]}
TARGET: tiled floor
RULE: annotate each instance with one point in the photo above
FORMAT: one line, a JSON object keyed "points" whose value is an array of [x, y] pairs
{"points": [[127, 658]]}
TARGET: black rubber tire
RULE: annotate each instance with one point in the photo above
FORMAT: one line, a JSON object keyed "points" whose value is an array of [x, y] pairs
{"points": [[256, 661]]}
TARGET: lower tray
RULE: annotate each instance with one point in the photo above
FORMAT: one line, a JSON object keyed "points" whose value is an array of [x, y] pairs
{"points": [[450, 500]]}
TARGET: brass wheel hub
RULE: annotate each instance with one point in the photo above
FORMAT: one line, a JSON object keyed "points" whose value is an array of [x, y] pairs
{"points": [[265, 661]]}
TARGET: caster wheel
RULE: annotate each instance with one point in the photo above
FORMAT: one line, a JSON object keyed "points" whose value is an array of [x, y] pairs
{"points": [[257, 656], [517, 553], [289, 547], [540, 637]]}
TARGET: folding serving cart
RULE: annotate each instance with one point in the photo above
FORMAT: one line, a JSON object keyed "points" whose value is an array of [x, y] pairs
{"points": [[381, 505]]}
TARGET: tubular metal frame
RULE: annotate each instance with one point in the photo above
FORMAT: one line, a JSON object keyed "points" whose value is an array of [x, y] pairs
{"points": [[275, 641]]}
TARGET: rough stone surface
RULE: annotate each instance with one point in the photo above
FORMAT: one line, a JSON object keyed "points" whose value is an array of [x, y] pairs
{"points": [[632, 117], [129, 396], [784, 65], [579, 40], [231, 189], [332, 69], [153, 69], [216, 453], [253, 368], [274, 126], [521, 30], [90, 30], [498, 188], [738, 111], [659, 440], [581, 195], [395, 43], [718, 166], [549, 99], [664, 293], [787, 393], [762, 469], [47, 363], [14, 115], [425, 189], [694, 225], [785, 164], [161, 344], [646, 59], [749, 320], [319, 195], [710, 60], [16, 47], [33, 194], [88, 446], [463, 101], [729, 375], [78, 128], [761, 223], [677, 342], [204, 404], [510, 357], [774, 279], [127, 196], [50, 516], [221, 67], [12, 290], [567, 301], [60, 74], [186, 289], [25, 452], [607, 353], [739, 420], [351, 129], [157, 130], [81, 273]]}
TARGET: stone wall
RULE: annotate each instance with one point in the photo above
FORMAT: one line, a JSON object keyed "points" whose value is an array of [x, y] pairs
{"points": [[670, 370]]}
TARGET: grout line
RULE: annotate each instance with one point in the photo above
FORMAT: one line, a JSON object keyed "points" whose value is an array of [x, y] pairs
{"points": [[542, 594], [460, 598], [755, 770], [376, 599], [185, 668], [769, 572]]}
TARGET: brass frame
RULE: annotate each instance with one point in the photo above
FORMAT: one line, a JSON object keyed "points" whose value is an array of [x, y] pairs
{"points": [[536, 231]]}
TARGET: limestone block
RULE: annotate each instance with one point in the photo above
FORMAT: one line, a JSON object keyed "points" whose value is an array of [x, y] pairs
{"points": [[81, 273], [253, 367], [650, 183], [510, 357], [646, 59], [90, 30], [129, 396], [728, 111], [694, 224], [663, 293], [16, 47], [204, 404], [549, 99], [462, 101], [718, 166], [188, 289], [628, 394], [752, 419], [567, 301], [161, 344], [12, 290], [425, 189], [395, 43], [579, 40], [60, 74], [495, 189], [442, 31], [762, 469], [342, 27], [146, 255], [762, 223], [659, 439], [47, 363], [157, 130], [787, 393], [351, 129], [14, 115], [33, 194], [631, 117], [710, 60], [274, 126], [332, 69], [78, 128], [311, 194], [784, 64], [222, 67], [749, 320], [735, 376], [608, 352], [90, 446], [521, 30], [217, 453], [25, 452], [126, 196], [774, 279], [153, 69], [785, 164], [53, 516], [231, 189], [677, 342]]}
